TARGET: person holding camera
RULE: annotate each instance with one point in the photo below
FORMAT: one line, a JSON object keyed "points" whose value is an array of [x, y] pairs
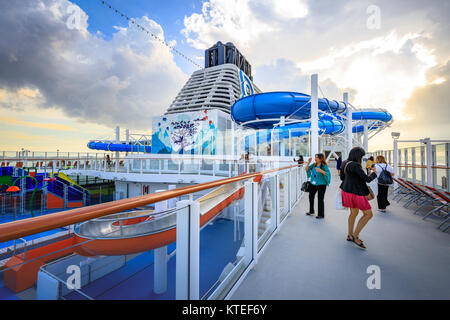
{"points": [[320, 178]]}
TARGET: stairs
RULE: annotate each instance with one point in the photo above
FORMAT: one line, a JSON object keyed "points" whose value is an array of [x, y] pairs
{"points": [[265, 215]]}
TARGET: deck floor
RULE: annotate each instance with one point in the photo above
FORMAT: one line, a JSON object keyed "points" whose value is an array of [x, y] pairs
{"points": [[311, 259]]}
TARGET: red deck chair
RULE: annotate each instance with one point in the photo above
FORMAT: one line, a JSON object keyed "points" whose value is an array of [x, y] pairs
{"points": [[404, 190], [431, 197]]}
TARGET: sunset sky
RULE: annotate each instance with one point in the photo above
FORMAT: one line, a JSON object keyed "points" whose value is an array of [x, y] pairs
{"points": [[62, 84]]}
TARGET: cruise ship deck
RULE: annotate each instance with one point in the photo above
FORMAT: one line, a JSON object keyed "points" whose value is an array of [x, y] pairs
{"points": [[311, 259]]}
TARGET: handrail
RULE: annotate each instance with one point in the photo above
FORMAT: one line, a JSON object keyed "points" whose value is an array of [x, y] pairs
{"points": [[417, 166], [260, 158], [22, 228]]}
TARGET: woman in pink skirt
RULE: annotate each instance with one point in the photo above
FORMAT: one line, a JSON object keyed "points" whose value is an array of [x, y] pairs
{"points": [[354, 192]]}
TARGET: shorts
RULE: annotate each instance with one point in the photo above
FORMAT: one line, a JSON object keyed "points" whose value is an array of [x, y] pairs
{"points": [[351, 200]]}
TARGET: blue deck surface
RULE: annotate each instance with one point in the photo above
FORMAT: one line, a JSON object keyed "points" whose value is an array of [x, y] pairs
{"points": [[5, 293], [9, 218], [135, 280]]}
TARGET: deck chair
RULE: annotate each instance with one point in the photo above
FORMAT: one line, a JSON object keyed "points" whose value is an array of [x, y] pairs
{"points": [[434, 198], [421, 197], [403, 190], [445, 196]]}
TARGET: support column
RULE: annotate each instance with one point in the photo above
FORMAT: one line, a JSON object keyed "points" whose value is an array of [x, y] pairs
{"points": [[429, 156], [188, 250], [314, 115], [160, 255], [349, 135], [251, 222], [171, 203], [117, 152], [366, 137], [127, 139]]}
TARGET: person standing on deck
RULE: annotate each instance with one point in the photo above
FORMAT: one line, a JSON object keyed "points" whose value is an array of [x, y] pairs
{"points": [[339, 164], [369, 164], [382, 195], [355, 192], [300, 160], [320, 178]]}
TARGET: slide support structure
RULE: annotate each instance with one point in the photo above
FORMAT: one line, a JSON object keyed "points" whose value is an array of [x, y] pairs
{"points": [[160, 255], [314, 115], [349, 125], [188, 250], [366, 136]]}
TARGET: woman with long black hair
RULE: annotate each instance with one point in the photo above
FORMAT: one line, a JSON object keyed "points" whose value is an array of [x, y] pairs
{"points": [[355, 192], [320, 178]]}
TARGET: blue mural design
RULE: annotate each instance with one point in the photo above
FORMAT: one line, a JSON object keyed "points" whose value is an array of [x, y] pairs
{"points": [[185, 133]]}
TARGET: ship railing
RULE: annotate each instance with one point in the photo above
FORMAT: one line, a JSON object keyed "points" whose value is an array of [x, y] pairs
{"points": [[85, 164], [234, 239], [424, 161]]}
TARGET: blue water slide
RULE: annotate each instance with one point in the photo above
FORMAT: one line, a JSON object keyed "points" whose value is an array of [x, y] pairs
{"points": [[121, 147], [273, 105], [264, 110]]}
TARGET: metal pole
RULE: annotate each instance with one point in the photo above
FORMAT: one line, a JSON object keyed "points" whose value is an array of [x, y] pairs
{"points": [[366, 137], [348, 125], [314, 115], [188, 250], [160, 256], [117, 152], [429, 156]]}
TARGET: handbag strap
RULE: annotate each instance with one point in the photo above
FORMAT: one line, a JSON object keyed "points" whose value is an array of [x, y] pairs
{"points": [[346, 166]]}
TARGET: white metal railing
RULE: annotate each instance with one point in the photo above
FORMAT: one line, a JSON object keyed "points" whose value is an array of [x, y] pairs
{"points": [[425, 161], [77, 163]]}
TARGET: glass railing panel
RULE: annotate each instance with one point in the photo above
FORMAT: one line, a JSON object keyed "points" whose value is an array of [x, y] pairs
{"points": [[87, 265], [293, 187], [223, 168], [222, 244], [266, 210], [190, 166], [284, 195], [206, 166], [409, 168], [154, 165], [418, 171]]}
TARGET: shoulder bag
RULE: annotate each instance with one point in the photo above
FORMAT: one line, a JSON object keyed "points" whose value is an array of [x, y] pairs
{"points": [[371, 195]]}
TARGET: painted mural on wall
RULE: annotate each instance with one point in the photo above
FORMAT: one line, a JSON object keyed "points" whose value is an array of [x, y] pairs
{"points": [[185, 133]]}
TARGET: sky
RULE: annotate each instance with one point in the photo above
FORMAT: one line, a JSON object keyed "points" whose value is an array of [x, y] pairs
{"points": [[71, 71]]}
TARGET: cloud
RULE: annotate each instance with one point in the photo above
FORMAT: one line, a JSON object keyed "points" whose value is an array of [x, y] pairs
{"points": [[124, 81], [34, 124], [389, 67], [426, 112], [427, 108]]}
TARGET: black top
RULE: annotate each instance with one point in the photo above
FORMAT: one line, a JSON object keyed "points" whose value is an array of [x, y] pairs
{"points": [[300, 160], [354, 178]]}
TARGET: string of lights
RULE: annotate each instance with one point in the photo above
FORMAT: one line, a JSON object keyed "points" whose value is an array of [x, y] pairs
{"points": [[139, 26]]}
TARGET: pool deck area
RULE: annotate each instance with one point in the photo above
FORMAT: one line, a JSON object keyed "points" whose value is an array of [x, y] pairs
{"points": [[310, 258]]}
